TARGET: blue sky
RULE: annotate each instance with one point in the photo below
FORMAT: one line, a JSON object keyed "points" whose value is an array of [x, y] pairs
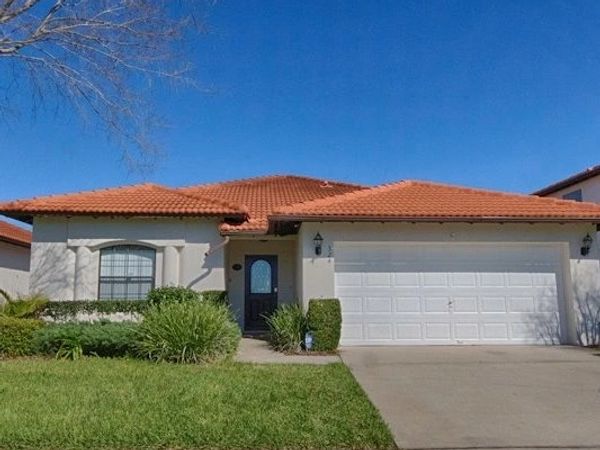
{"points": [[496, 94]]}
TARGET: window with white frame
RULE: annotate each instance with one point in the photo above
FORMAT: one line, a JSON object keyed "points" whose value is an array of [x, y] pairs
{"points": [[126, 272]]}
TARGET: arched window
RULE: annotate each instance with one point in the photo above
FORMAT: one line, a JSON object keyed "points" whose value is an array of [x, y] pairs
{"points": [[126, 272]]}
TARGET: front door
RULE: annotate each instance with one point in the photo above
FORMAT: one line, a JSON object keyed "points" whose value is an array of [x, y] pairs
{"points": [[261, 289]]}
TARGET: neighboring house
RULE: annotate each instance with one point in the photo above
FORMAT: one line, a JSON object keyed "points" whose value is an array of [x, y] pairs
{"points": [[581, 187], [15, 244], [412, 262]]}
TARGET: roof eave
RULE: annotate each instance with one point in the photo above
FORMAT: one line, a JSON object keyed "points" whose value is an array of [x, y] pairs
{"points": [[563, 184], [27, 217], [462, 219], [16, 242]]}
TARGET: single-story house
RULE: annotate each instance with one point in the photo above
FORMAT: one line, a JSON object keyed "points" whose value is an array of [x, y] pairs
{"points": [[15, 244], [412, 262]]}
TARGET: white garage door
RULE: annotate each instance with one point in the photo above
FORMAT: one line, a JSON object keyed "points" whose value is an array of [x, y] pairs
{"points": [[407, 294]]}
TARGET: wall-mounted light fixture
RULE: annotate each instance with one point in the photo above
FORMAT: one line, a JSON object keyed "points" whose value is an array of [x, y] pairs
{"points": [[587, 244], [318, 241]]}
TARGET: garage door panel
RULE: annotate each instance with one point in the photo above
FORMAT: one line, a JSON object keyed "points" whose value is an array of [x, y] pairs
{"points": [[468, 305], [408, 304], [436, 304], [435, 279], [463, 279], [379, 331], [411, 331], [406, 279], [417, 294], [466, 331], [438, 331], [521, 304], [378, 304], [496, 331], [493, 304]]}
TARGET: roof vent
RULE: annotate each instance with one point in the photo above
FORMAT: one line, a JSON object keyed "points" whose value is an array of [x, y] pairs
{"points": [[326, 184]]}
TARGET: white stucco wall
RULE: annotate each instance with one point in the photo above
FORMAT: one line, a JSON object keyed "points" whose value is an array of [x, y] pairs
{"points": [[284, 249], [14, 269], [581, 274], [590, 190], [65, 252]]}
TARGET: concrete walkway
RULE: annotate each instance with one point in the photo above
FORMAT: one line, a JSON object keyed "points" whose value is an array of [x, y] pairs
{"points": [[483, 397], [258, 351]]}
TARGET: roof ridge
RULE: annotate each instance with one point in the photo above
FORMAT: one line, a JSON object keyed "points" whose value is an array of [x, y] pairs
{"points": [[218, 201], [270, 177], [345, 196]]}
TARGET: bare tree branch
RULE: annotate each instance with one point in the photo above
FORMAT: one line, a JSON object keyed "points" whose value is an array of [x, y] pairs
{"points": [[99, 57]]}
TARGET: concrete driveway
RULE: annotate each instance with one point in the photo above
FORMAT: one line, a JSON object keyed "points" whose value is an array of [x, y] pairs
{"points": [[483, 397]]}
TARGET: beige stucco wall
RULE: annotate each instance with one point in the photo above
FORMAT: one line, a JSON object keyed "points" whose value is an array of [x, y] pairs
{"points": [[582, 274], [65, 252], [284, 249], [14, 269], [590, 190]]}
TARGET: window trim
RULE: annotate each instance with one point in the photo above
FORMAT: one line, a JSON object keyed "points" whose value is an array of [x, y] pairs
{"points": [[151, 278]]}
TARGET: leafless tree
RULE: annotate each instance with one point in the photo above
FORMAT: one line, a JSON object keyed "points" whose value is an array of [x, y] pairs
{"points": [[99, 58]]}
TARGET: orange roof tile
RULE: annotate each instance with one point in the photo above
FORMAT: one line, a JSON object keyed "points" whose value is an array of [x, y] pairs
{"points": [[262, 195], [14, 235], [425, 201], [138, 200]]}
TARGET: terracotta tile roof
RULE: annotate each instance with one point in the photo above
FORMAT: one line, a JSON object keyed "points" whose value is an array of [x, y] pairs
{"points": [[14, 235], [263, 194], [138, 200], [573, 179], [425, 201]]}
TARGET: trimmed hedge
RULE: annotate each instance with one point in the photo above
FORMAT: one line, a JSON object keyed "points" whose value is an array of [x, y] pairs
{"points": [[64, 310], [107, 339], [172, 294], [17, 335], [324, 320]]}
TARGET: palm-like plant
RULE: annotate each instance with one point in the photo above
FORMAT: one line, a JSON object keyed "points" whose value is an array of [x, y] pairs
{"points": [[23, 307]]}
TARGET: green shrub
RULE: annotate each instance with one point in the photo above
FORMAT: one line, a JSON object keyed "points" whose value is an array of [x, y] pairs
{"points": [[324, 320], [188, 332], [68, 310], [110, 339], [287, 326], [172, 294], [16, 335], [219, 297], [29, 307]]}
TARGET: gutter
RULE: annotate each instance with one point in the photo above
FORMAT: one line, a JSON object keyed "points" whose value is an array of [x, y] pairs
{"points": [[218, 246]]}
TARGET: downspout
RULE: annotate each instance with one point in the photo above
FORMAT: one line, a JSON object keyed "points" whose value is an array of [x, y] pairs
{"points": [[218, 246]]}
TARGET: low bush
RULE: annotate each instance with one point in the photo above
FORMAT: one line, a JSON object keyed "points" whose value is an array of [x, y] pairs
{"points": [[219, 297], [287, 326], [68, 310], [17, 335], [29, 307], [324, 320], [172, 294], [108, 339], [188, 332]]}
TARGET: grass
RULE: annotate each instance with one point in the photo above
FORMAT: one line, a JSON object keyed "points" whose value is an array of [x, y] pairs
{"points": [[129, 404]]}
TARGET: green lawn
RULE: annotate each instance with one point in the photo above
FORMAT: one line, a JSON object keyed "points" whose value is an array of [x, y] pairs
{"points": [[135, 404]]}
